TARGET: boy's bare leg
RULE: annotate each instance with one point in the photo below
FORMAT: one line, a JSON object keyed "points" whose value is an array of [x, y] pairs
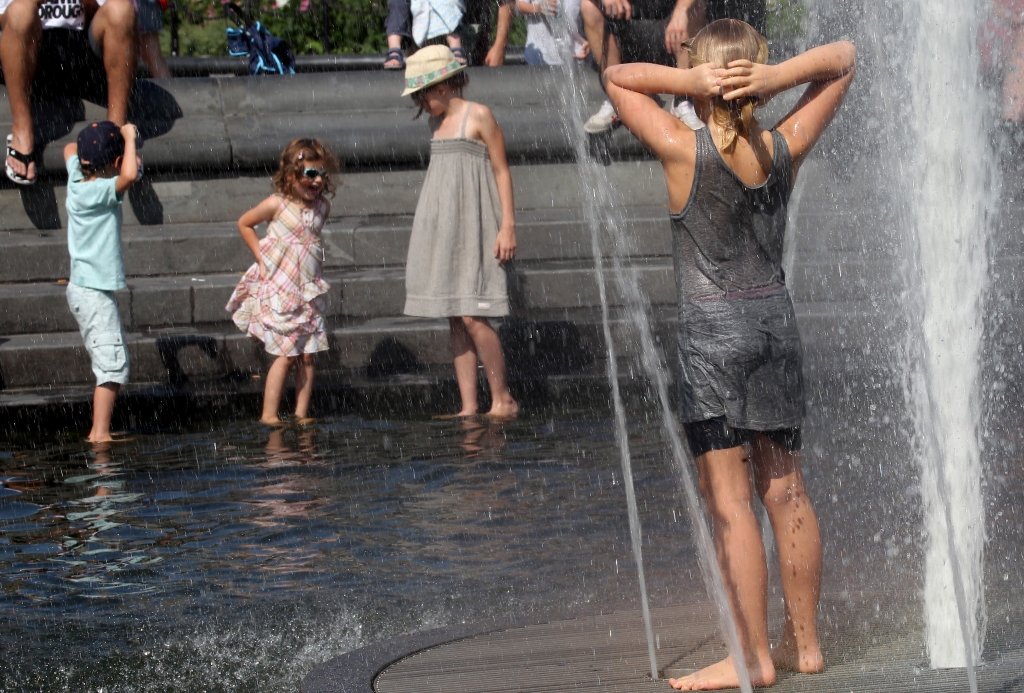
{"points": [[780, 485], [724, 479], [464, 356], [303, 385], [488, 348], [273, 388], [103, 398], [149, 47], [20, 33], [113, 27]]}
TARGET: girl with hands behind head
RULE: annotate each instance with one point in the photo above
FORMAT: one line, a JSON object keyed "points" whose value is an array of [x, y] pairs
{"points": [[728, 189]]}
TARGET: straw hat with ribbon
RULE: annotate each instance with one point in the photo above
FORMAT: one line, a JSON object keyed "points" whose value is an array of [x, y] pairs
{"points": [[428, 66]]}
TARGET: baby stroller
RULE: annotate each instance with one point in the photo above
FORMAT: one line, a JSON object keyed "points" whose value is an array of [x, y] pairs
{"points": [[268, 55]]}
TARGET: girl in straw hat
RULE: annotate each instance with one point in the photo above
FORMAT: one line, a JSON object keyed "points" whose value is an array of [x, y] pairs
{"points": [[464, 230]]}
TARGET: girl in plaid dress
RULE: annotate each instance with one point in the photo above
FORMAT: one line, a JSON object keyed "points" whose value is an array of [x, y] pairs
{"points": [[280, 300]]}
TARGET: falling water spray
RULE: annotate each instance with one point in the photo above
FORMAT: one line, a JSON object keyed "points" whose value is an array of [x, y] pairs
{"points": [[950, 181], [603, 216]]}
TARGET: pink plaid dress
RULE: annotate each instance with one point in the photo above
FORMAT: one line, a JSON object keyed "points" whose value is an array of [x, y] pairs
{"points": [[286, 310]]}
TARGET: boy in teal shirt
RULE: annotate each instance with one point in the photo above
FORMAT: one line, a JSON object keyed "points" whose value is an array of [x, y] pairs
{"points": [[101, 166]]}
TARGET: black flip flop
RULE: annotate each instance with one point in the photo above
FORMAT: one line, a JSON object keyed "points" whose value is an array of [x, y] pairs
{"points": [[26, 159]]}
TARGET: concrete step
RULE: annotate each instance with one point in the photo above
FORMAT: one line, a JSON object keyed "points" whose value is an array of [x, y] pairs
{"points": [[164, 199], [151, 302], [833, 334], [232, 123], [191, 249]]}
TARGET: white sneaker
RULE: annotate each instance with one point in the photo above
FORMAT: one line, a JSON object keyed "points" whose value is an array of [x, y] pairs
{"points": [[603, 120], [683, 109]]}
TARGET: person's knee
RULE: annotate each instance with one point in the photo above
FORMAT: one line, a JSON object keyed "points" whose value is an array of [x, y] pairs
{"points": [[475, 325], [783, 492], [119, 15], [21, 16]]}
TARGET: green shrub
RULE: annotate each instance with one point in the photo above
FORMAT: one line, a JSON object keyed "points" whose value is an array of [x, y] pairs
{"points": [[786, 19], [352, 26]]}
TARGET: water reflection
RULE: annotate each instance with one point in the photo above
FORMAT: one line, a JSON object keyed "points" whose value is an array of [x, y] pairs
{"points": [[238, 559]]}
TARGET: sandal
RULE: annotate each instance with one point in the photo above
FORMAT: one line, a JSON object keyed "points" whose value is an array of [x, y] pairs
{"points": [[460, 55], [394, 54], [23, 158]]}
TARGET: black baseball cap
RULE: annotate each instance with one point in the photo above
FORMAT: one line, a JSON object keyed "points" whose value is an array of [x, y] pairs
{"points": [[100, 144]]}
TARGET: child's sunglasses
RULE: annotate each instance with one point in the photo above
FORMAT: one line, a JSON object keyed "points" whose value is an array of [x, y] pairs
{"points": [[314, 173]]}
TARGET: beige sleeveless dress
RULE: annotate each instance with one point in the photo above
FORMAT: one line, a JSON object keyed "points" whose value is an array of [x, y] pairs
{"points": [[451, 269]]}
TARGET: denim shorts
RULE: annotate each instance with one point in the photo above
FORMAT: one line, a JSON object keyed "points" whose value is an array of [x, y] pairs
{"points": [[151, 17], [102, 332]]}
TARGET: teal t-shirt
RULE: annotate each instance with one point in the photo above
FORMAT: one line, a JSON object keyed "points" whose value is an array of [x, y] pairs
{"points": [[94, 231]]}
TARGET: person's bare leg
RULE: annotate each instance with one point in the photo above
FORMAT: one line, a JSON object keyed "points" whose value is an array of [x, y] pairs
{"points": [[724, 479], [149, 47], [273, 388], [394, 41], [103, 398], [455, 41], [1013, 82], [303, 385], [113, 26], [593, 28], [464, 356], [20, 33], [488, 349], [780, 485]]}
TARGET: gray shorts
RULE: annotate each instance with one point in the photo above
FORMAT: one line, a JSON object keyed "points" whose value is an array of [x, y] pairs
{"points": [[741, 359], [100, 325]]}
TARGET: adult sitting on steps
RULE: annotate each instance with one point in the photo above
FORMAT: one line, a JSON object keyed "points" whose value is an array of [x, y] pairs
{"points": [[107, 27]]}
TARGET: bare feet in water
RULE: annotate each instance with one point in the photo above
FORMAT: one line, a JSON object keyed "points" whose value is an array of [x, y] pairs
{"points": [[504, 410], [787, 656], [461, 415], [723, 675], [272, 421]]}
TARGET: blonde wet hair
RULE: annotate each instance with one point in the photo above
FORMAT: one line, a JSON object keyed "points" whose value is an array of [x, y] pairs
{"points": [[720, 43]]}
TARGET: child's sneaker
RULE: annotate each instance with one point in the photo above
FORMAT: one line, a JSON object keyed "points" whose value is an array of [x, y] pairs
{"points": [[683, 109], [604, 120]]}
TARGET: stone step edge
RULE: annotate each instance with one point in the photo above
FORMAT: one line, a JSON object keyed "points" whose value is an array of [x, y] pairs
{"points": [[175, 356]]}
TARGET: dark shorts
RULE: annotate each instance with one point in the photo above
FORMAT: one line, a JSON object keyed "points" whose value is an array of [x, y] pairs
{"points": [[717, 434], [150, 16], [642, 38]]}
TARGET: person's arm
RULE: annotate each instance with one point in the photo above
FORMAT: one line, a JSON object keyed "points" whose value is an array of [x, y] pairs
{"points": [[494, 138], [828, 69], [686, 20], [248, 222], [628, 86], [496, 55], [70, 150], [129, 160]]}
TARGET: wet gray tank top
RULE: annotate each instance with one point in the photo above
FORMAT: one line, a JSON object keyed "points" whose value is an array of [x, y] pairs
{"points": [[728, 237]]}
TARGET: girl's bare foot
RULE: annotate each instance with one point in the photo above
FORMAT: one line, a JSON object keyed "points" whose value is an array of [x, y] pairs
{"points": [[305, 420], [504, 410], [271, 421], [461, 415], [723, 675], [788, 657]]}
